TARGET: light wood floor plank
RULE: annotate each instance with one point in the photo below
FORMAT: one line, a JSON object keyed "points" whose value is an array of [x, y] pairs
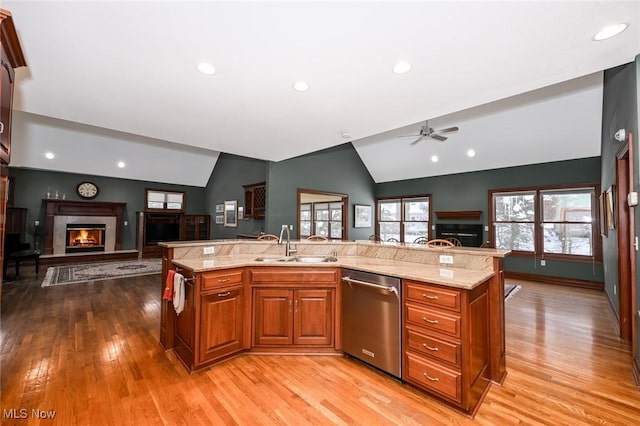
{"points": [[90, 352]]}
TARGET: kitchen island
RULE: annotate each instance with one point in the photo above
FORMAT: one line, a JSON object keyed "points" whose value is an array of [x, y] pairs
{"points": [[248, 297]]}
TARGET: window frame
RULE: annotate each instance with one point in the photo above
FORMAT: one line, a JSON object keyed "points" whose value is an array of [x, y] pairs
{"points": [[166, 193], [539, 222], [403, 200]]}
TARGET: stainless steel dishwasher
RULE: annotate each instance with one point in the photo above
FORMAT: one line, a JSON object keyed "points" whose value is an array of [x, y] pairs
{"points": [[371, 319]]}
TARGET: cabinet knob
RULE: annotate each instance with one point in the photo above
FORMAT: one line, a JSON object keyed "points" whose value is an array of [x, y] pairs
{"points": [[430, 321], [1, 127], [224, 294], [429, 296], [223, 280]]}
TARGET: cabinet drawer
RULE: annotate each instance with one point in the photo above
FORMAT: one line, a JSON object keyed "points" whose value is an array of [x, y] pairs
{"points": [[438, 349], [430, 319], [216, 279], [434, 377], [433, 295]]}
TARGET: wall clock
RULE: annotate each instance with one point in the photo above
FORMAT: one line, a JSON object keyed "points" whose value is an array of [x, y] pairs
{"points": [[87, 190]]}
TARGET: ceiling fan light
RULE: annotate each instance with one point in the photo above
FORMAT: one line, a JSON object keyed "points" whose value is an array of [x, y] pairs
{"points": [[610, 31], [402, 67]]}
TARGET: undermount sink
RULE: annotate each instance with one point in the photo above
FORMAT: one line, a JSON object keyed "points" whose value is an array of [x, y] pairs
{"points": [[315, 259], [305, 259]]}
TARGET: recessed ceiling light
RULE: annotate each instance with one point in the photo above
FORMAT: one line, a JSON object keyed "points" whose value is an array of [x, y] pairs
{"points": [[346, 135], [401, 67], [610, 31], [121, 164], [206, 68], [49, 155], [471, 153], [301, 86], [434, 158]]}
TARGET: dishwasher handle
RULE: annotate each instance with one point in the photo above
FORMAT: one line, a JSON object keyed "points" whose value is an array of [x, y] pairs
{"points": [[390, 289]]}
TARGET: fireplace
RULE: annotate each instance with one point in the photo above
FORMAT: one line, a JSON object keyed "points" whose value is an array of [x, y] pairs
{"points": [[66, 215], [470, 235], [85, 237]]}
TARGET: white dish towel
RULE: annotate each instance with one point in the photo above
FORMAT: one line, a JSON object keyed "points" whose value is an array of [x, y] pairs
{"points": [[178, 293]]}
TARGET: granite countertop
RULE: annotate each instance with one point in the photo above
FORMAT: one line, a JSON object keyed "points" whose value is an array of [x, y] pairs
{"points": [[448, 276]]}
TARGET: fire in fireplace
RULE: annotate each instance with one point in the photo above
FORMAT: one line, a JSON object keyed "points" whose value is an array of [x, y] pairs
{"points": [[85, 237]]}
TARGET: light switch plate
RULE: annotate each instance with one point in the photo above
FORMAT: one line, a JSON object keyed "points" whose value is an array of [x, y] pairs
{"points": [[446, 259], [209, 250]]}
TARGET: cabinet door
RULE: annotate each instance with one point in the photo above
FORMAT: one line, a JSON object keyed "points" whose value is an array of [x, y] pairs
{"points": [[221, 324], [313, 318], [273, 317], [6, 93]]}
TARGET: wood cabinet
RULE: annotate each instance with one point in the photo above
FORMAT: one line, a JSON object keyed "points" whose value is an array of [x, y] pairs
{"points": [[445, 341], [293, 317], [255, 200], [221, 317], [212, 325], [196, 227], [11, 57], [294, 307]]}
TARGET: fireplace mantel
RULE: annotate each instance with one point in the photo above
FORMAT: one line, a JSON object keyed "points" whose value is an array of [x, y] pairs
{"points": [[55, 207]]}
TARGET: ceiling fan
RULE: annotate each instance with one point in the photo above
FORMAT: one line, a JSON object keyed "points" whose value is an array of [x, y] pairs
{"points": [[429, 132]]}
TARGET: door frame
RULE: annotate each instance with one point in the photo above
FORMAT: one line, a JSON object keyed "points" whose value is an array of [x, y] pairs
{"points": [[626, 238]]}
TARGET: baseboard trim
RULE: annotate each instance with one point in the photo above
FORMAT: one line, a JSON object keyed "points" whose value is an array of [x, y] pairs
{"points": [[615, 319], [554, 280]]}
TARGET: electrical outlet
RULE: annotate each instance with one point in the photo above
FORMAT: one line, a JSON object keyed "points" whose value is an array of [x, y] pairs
{"points": [[615, 290], [543, 262], [446, 259], [209, 250], [290, 227], [486, 228], [126, 223]]}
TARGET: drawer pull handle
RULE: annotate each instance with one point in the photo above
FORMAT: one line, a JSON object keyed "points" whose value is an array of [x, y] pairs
{"points": [[429, 347], [224, 294], [430, 321], [433, 379], [429, 296], [223, 280]]}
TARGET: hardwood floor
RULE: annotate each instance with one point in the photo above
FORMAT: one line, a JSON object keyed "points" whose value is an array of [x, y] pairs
{"points": [[89, 352]]}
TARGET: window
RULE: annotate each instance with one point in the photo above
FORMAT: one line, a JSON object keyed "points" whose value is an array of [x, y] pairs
{"points": [[327, 220], [403, 219], [165, 200], [546, 221]]}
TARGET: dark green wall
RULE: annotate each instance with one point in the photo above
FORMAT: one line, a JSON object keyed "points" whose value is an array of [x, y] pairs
{"points": [[469, 191], [619, 111], [338, 169], [31, 187], [226, 183]]}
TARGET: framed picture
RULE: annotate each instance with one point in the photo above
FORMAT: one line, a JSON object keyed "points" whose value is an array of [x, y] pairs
{"points": [[219, 219], [231, 213], [603, 215], [611, 207], [362, 216], [240, 212], [219, 208]]}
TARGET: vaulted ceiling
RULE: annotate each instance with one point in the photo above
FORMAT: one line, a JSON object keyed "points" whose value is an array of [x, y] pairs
{"points": [[522, 80]]}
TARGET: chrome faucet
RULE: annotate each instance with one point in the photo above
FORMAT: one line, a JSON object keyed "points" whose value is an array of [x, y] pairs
{"points": [[287, 250]]}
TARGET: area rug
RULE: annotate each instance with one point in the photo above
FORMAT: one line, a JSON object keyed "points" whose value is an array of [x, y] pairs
{"points": [[510, 290], [71, 274]]}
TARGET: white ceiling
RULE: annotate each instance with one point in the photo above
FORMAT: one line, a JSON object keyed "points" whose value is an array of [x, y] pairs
{"points": [[129, 67]]}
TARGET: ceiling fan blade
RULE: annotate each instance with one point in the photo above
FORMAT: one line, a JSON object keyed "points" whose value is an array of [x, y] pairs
{"points": [[409, 136], [447, 130], [438, 137], [417, 140]]}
